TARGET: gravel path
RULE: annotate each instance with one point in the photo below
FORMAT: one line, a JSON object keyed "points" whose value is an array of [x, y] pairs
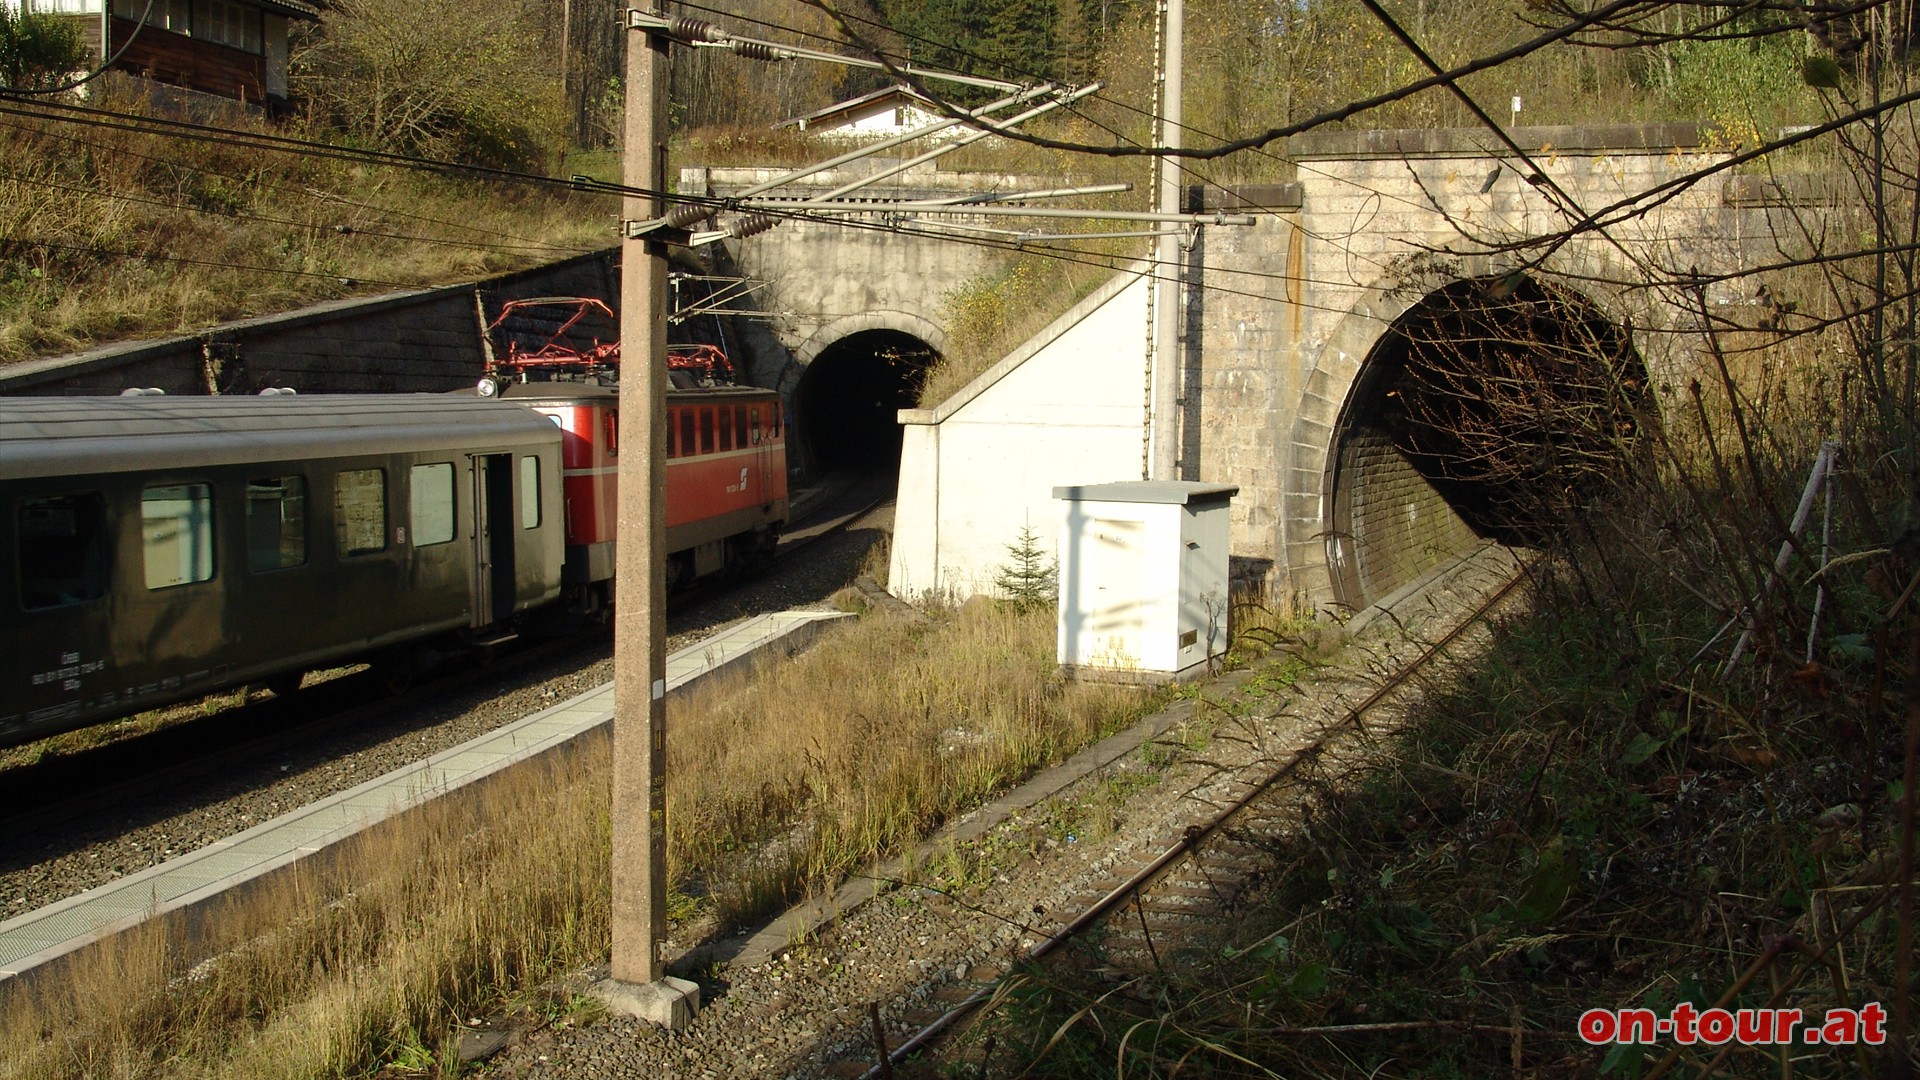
{"points": [[40, 867], [805, 1013]]}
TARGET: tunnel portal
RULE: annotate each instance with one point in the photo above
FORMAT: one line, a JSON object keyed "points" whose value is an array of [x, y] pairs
{"points": [[1491, 409], [846, 404]]}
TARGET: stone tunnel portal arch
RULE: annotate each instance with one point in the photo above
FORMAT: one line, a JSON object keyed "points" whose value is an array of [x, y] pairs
{"points": [[846, 404], [1488, 410]]}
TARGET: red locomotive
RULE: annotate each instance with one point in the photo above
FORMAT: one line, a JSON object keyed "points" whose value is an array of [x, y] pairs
{"points": [[151, 548], [726, 452]]}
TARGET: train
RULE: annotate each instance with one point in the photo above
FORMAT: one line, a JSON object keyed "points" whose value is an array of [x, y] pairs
{"points": [[156, 549]]}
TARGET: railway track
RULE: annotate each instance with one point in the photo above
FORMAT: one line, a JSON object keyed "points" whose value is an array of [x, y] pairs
{"points": [[71, 821], [1167, 899]]}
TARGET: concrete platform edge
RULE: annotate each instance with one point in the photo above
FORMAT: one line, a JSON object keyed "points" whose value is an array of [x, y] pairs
{"points": [[178, 910]]}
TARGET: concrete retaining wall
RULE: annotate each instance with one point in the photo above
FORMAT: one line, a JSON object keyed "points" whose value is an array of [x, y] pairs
{"points": [[1066, 408]]}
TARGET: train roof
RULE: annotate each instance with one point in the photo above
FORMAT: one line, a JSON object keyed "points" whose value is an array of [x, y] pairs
{"points": [[560, 390], [66, 436]]}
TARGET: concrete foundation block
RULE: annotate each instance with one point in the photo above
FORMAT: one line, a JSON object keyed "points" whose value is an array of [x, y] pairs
{"points": [[669, 1002]]}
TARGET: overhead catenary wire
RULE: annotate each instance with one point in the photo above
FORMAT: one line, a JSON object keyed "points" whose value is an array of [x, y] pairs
{"points": [[1274, 134], [203, 132], [1185, 167], [304, 190], [336, 228], [108, 119], [222, 264], [1060, 254], [185, 129], [1068, 255]]}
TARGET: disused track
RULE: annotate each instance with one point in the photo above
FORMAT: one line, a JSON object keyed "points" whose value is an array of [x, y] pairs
{"points": [[1195, 878]]}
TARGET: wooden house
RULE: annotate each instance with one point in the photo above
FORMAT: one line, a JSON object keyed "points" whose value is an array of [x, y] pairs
{"points": [[227, 48]]}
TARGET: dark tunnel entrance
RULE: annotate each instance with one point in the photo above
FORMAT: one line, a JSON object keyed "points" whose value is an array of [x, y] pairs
{"points": [[1491, 409], [845, 409]]}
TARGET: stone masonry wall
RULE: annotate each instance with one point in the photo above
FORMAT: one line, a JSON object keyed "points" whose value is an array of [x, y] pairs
{"points": [[1393, 526]]}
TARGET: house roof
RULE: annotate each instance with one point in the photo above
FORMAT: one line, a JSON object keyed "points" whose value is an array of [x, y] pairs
{"points": [[291, 8], [842, 109]]}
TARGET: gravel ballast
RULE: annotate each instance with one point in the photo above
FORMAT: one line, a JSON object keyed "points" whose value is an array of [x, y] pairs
{"points": [[50, 863], [918, 947]]}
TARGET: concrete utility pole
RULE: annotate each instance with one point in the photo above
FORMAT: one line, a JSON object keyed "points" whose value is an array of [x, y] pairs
{"points": [[639, 985], [1164, 423]]}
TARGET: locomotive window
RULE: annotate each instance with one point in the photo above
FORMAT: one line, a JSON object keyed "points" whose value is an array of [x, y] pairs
{"points": [[613, 433], [176, 527], [529, 492], [726, 429], [63, 550], [276, 523], [360, 511], [706, 431], [753, 425], [687, 445], [740, 425], [432, 504]]}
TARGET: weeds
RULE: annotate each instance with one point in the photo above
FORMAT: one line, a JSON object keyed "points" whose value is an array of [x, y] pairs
{"points": [[778, 784], [112, 234], [1683, 775], [872, 753]]}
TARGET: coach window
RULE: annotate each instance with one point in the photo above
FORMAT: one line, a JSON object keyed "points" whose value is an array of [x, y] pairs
{"points": [[276, 523], [360, 511], [176, 527], [529, 492], [706, 430], [63, 550], [432, 515]]}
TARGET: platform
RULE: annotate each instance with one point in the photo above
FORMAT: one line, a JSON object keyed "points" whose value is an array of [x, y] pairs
{"points": [[49, 933]]}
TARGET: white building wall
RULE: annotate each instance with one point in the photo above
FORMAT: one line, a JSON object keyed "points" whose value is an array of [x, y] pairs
{"points": [[1066, 408], [889, 120]]}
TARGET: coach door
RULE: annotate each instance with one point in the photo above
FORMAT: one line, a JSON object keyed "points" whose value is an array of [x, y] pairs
{"points": [[494, 518]]}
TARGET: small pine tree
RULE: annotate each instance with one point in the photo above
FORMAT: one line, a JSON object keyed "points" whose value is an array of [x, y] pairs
{"points": [[1030, 578]]}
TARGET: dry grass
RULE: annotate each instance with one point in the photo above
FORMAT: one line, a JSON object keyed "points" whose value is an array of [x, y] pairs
{"points": [[321, 972], [1595, 814], [876, 738], [998, 312], [780, 782], [107, 234]]}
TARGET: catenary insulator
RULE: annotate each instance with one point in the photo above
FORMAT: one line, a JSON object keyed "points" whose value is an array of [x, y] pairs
{"points": [[687, 214], [757, 50], [752, 224], [694, 29]]}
